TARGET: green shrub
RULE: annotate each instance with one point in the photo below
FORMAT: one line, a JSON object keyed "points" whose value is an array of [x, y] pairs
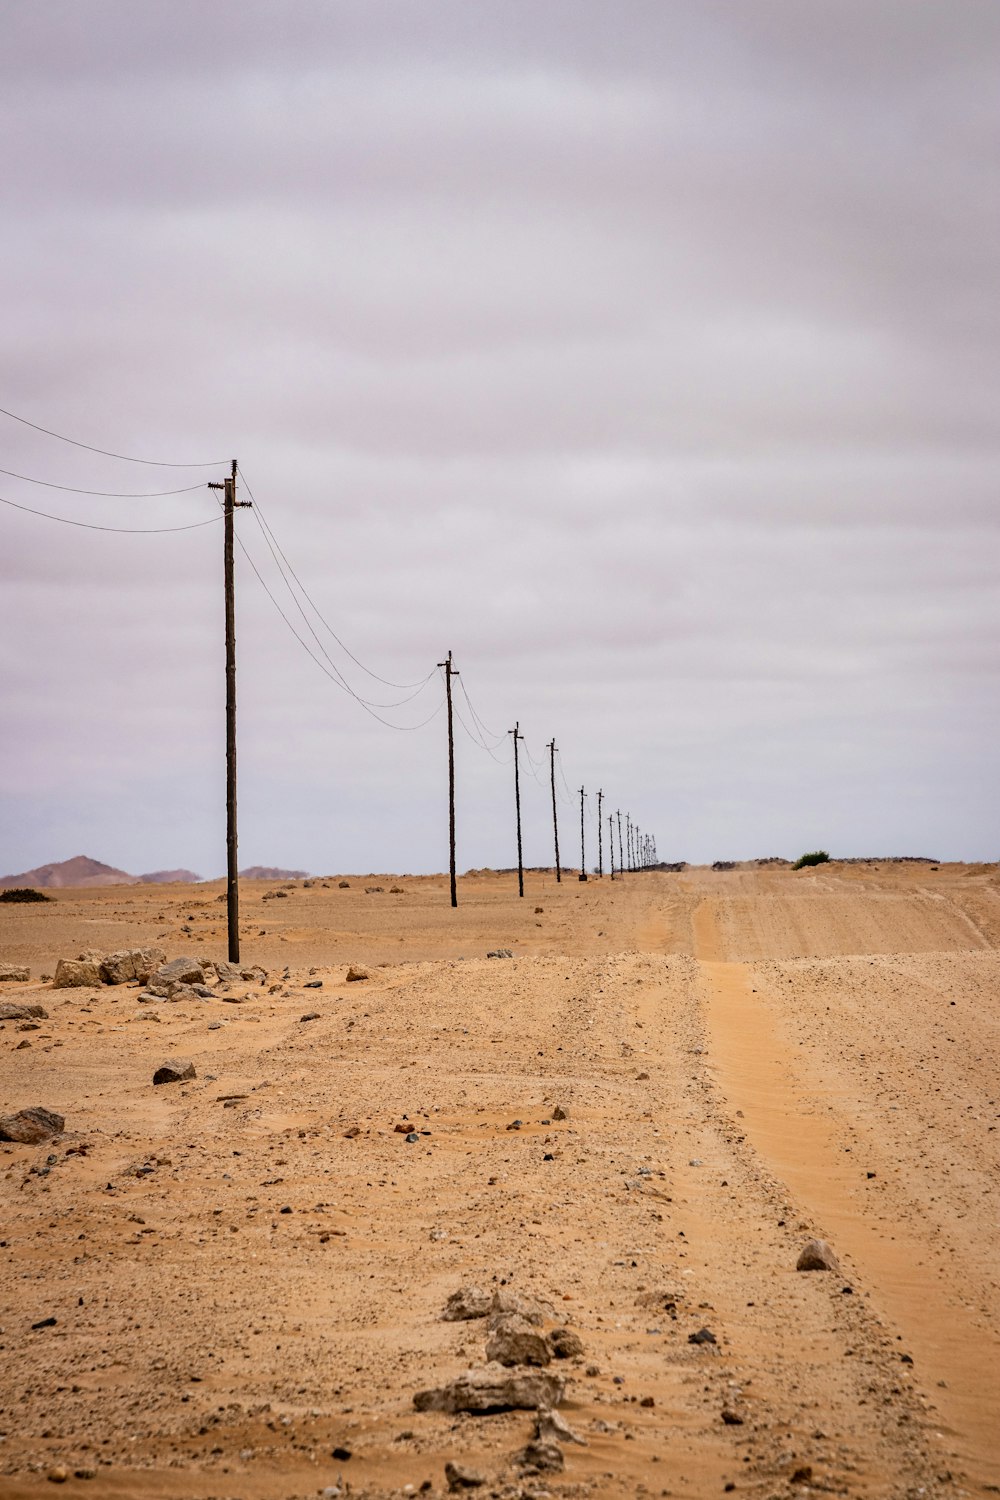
{"points": [[817, 857], [20, 893]]}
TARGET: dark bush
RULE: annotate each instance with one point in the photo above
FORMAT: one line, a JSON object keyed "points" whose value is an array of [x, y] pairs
{"points": [[817, 857], [21, 893]]}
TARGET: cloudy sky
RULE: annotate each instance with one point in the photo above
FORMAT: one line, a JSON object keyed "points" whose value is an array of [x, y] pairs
{"points": [[644, 355]]}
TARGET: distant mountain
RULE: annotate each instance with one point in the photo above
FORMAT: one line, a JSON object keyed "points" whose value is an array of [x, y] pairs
{"points": [[271, 872], [85, 871], [79, 871]]}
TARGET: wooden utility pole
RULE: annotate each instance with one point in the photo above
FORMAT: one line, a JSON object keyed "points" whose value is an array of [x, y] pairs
{"points": [[628, 843], [555, 815], [449, 673], [600, 840], [611, 843], [231, 504], [621, 862], [583, 851], [517, 805]]}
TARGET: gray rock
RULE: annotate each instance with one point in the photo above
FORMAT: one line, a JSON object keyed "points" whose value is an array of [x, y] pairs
{"points": [[468, 1302], [180, 971], [515, 1341], [227, 973], [817, 1255], [559, 1113], [21, 1010], [461, 1478], [566, 1344], [31, 1125], [500, 953], [505, 1302], [130, 964], [15, 972], [174, 1072], [553, 1428], [76, 972], [544, 1457], [494, 1388]]}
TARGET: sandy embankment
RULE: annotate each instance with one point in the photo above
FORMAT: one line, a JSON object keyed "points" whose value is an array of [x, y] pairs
{"points": [[808, 1072]]}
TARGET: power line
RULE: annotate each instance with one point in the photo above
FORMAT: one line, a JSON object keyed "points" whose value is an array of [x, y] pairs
{"points": [[126, 530], [407, 728], [338, 675], [72, 489], [267, 529], [153, 463]]}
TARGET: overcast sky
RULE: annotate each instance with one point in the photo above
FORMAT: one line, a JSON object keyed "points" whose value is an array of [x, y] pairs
{"points": [[644, 355]]}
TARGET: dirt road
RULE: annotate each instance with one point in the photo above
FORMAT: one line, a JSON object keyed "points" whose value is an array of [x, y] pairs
{"points": [[247, 1270]]}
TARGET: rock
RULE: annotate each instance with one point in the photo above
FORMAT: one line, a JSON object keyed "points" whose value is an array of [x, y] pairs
{"points": [[313, 984], [500, 953], [515, 1341], [566, 1344], [468, 1302], [226, 973], [343, 885], [543, 1456], [130, 964], [356, 972], [412, 1138], [19, 1010], [731, 1418], [703, 1336], [179, 971], [553, 1428], [817, 1256], [76, 972], [531, 1309], [461, 1478], [312, 1015], [14, 972], [559, 1113], [493, 1388], [31, 1125], [175, 1071], [58, 1475]]}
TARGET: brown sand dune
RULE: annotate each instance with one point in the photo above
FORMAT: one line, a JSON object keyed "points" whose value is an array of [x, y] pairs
{"points": [[247, 1269]]}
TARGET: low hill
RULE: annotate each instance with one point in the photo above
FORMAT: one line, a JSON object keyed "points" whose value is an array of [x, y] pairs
{"points": [[80, 870], [169, 877], [271, 872]]}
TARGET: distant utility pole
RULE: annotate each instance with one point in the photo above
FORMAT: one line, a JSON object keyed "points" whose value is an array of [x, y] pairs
{"points": [[230, 504], [555, 816], [628, 843], [583, 851], [517, 804], [611, 843], [621, 862], [449, 673], [600, 841]]}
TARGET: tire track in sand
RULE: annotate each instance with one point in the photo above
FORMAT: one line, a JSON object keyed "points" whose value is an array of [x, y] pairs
{"points": [[957, 1360]]}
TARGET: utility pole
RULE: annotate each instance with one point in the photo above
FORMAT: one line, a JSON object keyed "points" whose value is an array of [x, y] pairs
{"points": [[555, 816], [611, 843], [517, 804], [449, 673], [230, 504], [621, 862], [583, 852], [600, 842]]}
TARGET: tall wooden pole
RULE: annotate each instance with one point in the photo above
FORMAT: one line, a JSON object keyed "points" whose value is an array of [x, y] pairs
{"points": [[449, 673], [611, 843], [230, 504], [600, 840], [517, 805], [621, 861], [583, 851], [555, 815], [630, 865]]}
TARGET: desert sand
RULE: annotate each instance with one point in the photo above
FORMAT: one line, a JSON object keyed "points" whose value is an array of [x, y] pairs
{"points": [[247, 1270]]}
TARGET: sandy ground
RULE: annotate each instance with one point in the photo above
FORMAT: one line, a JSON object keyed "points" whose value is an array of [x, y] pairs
{"points": [[745, 1059]]}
